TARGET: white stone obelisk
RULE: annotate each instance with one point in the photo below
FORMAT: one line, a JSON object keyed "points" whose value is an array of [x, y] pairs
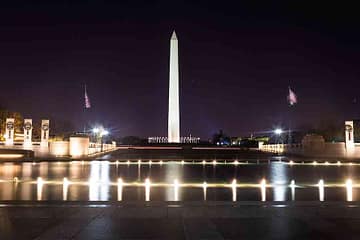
{"points": [[173, 114]]}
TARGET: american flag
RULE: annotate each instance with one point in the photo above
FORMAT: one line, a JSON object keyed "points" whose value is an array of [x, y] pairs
{"points": [[87, 100], [292, 97]]}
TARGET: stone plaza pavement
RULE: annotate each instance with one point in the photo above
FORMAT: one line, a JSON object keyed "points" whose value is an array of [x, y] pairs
{"points": [[177, 220]]}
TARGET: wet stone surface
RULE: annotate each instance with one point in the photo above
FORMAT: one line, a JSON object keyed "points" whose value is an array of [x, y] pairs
{"points": [[248, 220]]}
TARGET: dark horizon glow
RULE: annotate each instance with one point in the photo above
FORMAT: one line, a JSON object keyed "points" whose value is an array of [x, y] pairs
{"points": [[237, 61]]}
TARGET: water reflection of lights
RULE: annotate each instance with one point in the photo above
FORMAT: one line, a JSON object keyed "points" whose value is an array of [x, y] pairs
{"points": [[39, 183], [263, 190], [316, 163], [321, 190], [349, 193], [204, 162], [176, 190], [204, 189], [176, 183], [233, 187], [99, 184], [120, 189], [66, 184], [292, 186], [279, 179], [99, 181], [147, 189]]}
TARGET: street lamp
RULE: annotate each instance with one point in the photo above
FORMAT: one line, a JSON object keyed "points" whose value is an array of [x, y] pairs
{"points": [[99, 132], [278, 131], [104, 132]]}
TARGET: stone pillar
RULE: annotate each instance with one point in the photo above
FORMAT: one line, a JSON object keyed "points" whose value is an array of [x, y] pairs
{"points": [[28, 132], [79, 146], [9, 131], [44, 133], [349, 135]]}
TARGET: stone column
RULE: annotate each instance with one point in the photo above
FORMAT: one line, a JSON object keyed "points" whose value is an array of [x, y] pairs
{"points": [[44, 133], [349, 135], [28, 132], [9, 131]]}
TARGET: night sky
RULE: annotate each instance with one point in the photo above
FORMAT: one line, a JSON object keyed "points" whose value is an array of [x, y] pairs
{"points": [[237, 60]]}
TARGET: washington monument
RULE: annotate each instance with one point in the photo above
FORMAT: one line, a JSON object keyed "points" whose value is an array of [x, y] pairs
{"points": [[173, 114]]}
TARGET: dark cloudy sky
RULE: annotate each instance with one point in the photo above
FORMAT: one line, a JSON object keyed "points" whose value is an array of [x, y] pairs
{"points": [[237, 60]]}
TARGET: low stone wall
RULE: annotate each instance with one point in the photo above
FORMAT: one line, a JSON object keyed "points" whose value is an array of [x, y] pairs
{"points": [[328, 150], [59, 148], [76, 148]]}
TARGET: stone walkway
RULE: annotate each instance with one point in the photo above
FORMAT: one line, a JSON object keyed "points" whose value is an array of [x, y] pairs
{"points": [[216, 220]]}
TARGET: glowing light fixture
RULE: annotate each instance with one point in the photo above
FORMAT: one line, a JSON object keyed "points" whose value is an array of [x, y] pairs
{"points": [[278, 131], [104, 133]]}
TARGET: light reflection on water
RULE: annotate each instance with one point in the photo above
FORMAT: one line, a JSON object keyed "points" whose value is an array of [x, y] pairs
{"points": [[279, 179], [159, 181], [99, 181]]}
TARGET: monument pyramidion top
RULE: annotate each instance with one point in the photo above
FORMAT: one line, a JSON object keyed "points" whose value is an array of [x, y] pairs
{"points": [[173, 36]]}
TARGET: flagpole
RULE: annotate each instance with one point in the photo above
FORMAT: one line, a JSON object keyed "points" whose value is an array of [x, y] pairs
{"points": [[292, 101], [289, 137], [84, 115]]}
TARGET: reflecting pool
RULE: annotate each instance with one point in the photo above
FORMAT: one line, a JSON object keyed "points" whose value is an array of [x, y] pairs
{"points": [[205, 180]]}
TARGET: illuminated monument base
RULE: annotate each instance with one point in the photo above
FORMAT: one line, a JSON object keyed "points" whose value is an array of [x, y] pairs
{"points": [[165, 140]]}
